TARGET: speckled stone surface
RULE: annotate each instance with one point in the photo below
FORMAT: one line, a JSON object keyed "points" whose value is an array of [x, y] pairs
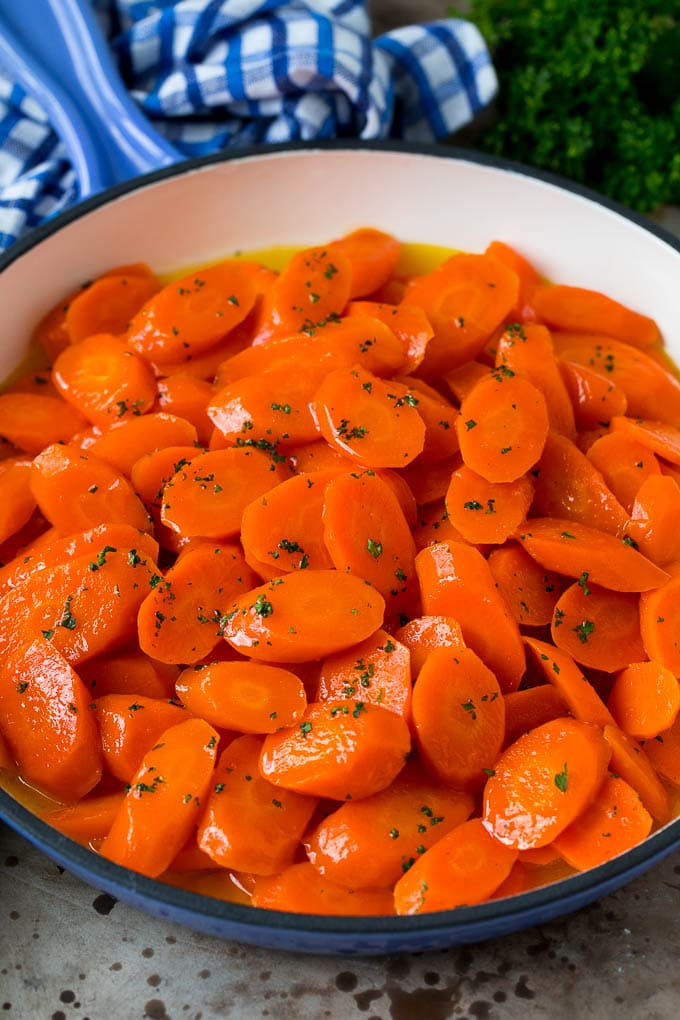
{"points": [[68, 951]]}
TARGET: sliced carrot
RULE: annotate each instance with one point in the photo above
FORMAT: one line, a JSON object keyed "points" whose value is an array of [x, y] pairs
{"points": [[207, 497], [664, 753], [596, 399], [541, 855], [465, 299], [129, 727], [429, 482], [17, 502], [624, 464], [122, 444], [459, 717], [652, 391], [568, 486], [530, 592], [455, 580], [402, 490], [408, 323], [150, 473], [78, 491], [560, 670], [571, 548], [439, 418], [529, 278], [32, 421], [463, 380], [374, 421], [487, 512], [630, 762], [283, 529], [424, 634], [502, 426], [597, 627], [376, 671], [131, 673], [302, 889], [317, 456], [645, 699], [527, 349], [189, 316], [657, 436], [659, 623], [373, 256], [589, 311], [544, 781], [185, 396], [370, 843], [273, 406], [654, 519], [103, 380], [183, 617], [244, 696], [525, 710], [47, 722], [366, 534], [313, 288], [165, 799], [344, 750], [51, 332], [615, 822], [206, 366], [463, 868], [518, 881], [108, 304], [34, 381], [433, 525], [88, 820]]}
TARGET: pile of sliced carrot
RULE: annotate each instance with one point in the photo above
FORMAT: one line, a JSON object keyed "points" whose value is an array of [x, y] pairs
{"points": [[341, 590]]}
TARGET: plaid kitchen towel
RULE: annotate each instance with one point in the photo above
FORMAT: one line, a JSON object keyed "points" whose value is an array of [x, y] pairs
{"points": [[218, 74]]}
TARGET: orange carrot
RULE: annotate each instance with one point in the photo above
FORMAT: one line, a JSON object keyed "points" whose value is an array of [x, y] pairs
{"points": [[654, 516], [659, 622], [657, 436], [624, 464], [376, 671], [645, 699], [131, 673], [313, 288], [88, 820], [433, 525], [373, 256], [17, 502], [487, 512], [664, 753], [439, 418], [185, 396], [596, 399], [125, 442], [616, 821], [424, 634], [527, 350], [301, 888], [429, 482], [525, 710], [529, 591], [630, 762], [108, 304], [408, 323], [529, 278], [588, 311], [598, 628], [559, 669], [32, 421], [463, 380], [129, 727], [244, 696]]}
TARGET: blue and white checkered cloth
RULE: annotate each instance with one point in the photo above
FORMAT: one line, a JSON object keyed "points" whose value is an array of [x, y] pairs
{"points": [[218, 74]]}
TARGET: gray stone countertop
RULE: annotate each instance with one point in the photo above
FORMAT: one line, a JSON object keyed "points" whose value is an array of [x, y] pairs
{"points": [[68, 951]]}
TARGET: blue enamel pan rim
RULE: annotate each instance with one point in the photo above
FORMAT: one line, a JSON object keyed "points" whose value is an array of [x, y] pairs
{"points": [[309, 932]]}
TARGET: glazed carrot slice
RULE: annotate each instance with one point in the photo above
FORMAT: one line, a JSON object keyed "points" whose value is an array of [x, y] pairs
{"points": [[207, 497], [402, 490], [304, 615], [373, 256], [273, 406], [463, 380], [529, 278], [596, 399], [543, 782], [433, 525], [344, 750], [185, 396], [377, 671], [108, 304], [283, 529], [645, 699], [300, 888], [182, 618], [305, 458], [651, 390], [189, 316], [530, 592], [32, 421], [459, 717], [568, 486], [122, 444], [654, 519], [130, 673], [518, 881], [657, 436], [560, 670], [47, 722], [503, 426], [129, 727], [103, 380], [439, 418], [429, 482], [589, 311], [51, 332], [370, 843], [366, 534], [88, 820], [465, 299], [487, 512], [150, 473], [408, 323], [78, 491], [659, 620], [624, 464], [455, 580], [571, 548], [597, 627], [249, 823], [616, 821], [165, 799], [427, 633], [630, 762], [17, 502], [463, 868], [664, 753], [374, 421], [244, 696], [34, 381], [525, 710], [527, 350], [313, 288]]}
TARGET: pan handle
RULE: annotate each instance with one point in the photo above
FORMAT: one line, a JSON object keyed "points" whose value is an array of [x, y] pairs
{"points": [[56, 50]]}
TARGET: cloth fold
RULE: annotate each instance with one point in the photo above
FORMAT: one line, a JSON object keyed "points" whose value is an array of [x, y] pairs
{"points": [[220, 74]]}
